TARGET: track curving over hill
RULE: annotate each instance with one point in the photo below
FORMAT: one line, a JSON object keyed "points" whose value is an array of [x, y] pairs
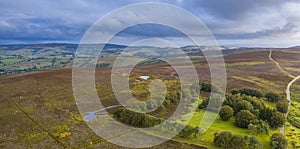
{"points": [[287, 91]]}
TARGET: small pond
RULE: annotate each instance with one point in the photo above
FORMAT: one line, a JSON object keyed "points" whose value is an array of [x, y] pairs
{"points": [[95, 114], [145, 77]]}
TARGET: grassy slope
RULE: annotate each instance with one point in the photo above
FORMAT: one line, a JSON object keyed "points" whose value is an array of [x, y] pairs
{"points": [[293, 133], [289, 61], [50, 93]]}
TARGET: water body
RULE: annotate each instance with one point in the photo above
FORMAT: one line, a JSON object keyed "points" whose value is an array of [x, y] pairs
{"points": [[145, 77], [94, 114]]}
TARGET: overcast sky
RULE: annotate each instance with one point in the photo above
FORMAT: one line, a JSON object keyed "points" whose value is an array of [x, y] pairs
{"points": [[268, 23]]}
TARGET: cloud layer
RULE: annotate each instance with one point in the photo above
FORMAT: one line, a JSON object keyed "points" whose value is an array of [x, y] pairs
{"points": [[272, 23]]}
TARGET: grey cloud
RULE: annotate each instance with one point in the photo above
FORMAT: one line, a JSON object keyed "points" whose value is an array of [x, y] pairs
{"points": [[229, 20], [288, 29], [233, 9]]}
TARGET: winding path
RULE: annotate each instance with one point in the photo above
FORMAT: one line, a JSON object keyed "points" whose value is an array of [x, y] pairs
{"points": [[278, 66], [287, 91]]}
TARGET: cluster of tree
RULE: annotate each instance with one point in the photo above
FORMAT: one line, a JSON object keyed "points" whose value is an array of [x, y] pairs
{"points": [[188, 131], [226, 113], [249, 92], [228, 140], [141, 120], [274, 118], [215, 101], [278, 141], [171, 98], [282, 106], [273, 97], [259, 127], [246, 108], [243, 118], [270, 96], [206, 87]]}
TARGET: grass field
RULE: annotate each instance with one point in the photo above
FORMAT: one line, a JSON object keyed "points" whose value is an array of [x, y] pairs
{"points": [[219, 126], [293, 124]]}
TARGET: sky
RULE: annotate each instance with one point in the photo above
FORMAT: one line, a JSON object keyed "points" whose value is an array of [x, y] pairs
{"points": [[247, 23]]}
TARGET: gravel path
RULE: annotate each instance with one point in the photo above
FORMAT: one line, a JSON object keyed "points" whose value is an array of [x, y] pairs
{"points": [[287, 91]]}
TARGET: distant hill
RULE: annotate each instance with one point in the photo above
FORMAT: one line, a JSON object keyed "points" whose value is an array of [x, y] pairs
{"points": [[295, 47], [17, 58]]}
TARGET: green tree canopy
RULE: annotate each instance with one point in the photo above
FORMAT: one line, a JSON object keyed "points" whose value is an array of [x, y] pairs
{"points": [[249, 92], [258, 127], [273, 97], [278, 141], [226, 113], [242, 105], [277, 119], [282, 106], [243, 118]]}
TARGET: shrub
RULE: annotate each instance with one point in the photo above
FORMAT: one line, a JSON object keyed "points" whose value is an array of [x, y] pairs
{"points": [[242, 105], [253, 143], [243, 118], [227, 140], [277, 119], [226, 113], [208, 87], [223, 139], [278, 141], [258, 127], [273, 97], [266, 114], [282, 106], [188, 131], [215, 101], [136, 119], [249, 92]]}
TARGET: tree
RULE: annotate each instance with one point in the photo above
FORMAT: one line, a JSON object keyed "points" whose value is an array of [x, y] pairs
{"points": [[273, 97], [243, 118], [258, 127], [282, 106], [252, 142], [238, 141], [188, 131], [266, 114], [206, 87], [223, 139], [204, 103], [232, 100], [226, 113], [249, 92], [257, 103], [136, 119], [277, 119], [255, 112], [242, 105], [226, 139], [215, 101], [278, 141]]}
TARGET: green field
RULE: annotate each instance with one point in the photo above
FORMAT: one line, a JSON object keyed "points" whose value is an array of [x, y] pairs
{"points": [[293, 124]]}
